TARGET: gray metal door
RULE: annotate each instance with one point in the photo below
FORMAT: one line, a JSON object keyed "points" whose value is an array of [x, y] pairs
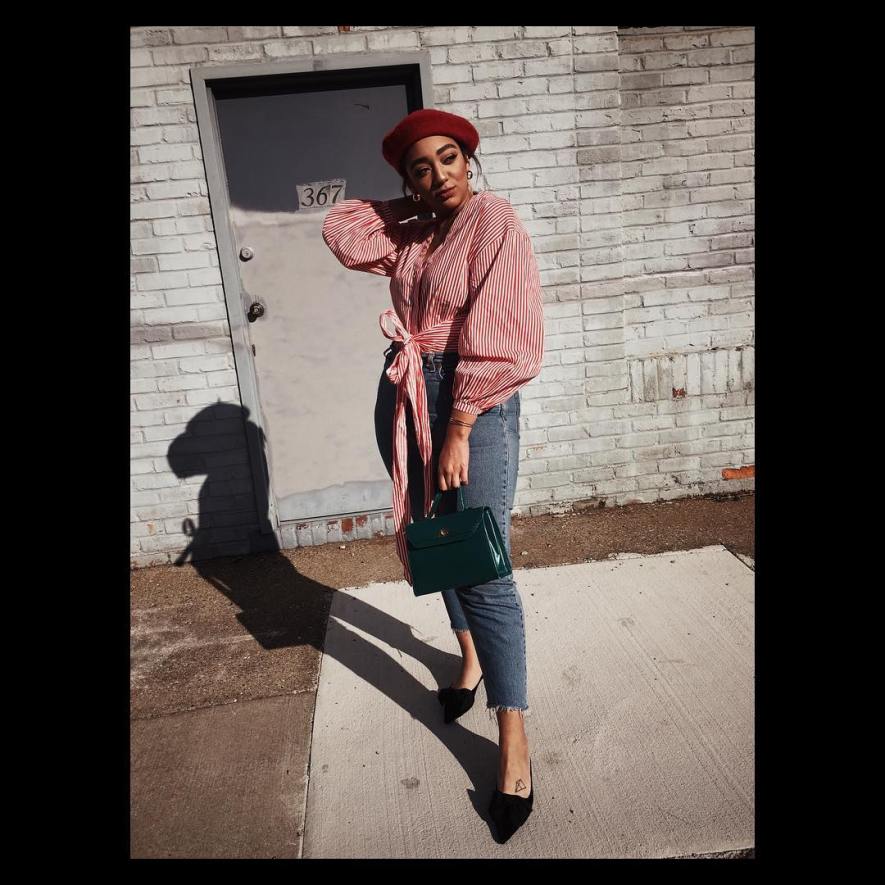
{"points": [[289, 151]]}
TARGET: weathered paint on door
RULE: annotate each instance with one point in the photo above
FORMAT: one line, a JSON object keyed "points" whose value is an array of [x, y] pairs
{"points": [[318, 346]]}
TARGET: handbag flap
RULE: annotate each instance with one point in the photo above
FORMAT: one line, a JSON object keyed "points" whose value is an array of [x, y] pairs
{"points": [[445, 529]]}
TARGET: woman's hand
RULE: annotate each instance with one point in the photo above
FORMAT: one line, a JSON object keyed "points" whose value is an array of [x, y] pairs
{"points": [[405, 208], [454, 460]]}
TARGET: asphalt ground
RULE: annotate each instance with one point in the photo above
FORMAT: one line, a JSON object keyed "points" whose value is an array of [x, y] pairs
{"points": [[227, 705]]}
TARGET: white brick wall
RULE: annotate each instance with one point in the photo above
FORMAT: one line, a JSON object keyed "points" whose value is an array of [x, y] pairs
{"points": [[629, 156], [687, 119]]}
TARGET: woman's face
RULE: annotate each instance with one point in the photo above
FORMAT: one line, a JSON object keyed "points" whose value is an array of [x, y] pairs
{"points": [[436, 169]]}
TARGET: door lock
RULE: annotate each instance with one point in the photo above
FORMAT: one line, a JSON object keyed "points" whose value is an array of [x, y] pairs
{"points": [[255, 310]]}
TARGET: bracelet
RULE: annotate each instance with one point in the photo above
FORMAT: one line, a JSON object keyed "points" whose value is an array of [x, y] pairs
{"points": [[462, 423]]}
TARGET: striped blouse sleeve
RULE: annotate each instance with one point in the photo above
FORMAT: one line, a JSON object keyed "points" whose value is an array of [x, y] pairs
{"points": [[502, 340], [364, 235]]}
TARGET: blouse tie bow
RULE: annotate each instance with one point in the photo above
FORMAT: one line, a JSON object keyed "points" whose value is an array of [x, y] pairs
{"points": [[406, 373]]}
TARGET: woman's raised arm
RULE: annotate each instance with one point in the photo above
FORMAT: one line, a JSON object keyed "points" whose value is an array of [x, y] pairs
{"points": [[366, 234]]}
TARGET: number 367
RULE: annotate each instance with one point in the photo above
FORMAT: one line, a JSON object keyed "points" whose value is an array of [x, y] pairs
{"points": [[321, 196]]}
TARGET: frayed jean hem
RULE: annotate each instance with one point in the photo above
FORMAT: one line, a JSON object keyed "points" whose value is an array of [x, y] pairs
{"points": [[494, 709]]}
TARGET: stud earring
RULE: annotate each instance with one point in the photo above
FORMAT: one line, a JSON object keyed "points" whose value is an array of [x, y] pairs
{"points": [[416, 197], [470, 173]]}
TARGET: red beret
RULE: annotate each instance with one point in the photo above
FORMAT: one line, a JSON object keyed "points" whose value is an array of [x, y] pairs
{"points": [[422, 123]]}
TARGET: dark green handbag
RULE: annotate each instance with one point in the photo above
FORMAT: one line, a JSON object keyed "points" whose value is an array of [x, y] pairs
{"points": [[459, 549]]}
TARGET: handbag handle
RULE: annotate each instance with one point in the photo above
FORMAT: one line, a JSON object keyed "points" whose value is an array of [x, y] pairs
{"points": [[438, 497]]}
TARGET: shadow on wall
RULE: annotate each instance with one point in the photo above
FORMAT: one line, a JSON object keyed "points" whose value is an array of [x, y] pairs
{"points": [[276, 605], [213, 445]]}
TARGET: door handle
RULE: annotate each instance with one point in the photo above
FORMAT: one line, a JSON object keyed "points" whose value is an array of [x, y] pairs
{"points": [[256, 310]]}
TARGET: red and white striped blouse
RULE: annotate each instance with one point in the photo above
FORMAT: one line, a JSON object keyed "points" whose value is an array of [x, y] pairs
{"points": [[479, 293]]}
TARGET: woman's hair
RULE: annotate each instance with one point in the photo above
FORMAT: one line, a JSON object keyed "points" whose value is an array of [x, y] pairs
{"points": [[464, 151]]}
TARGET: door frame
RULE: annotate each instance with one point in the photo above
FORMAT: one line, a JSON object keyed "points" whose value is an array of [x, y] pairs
{"points": [[203, 79]]}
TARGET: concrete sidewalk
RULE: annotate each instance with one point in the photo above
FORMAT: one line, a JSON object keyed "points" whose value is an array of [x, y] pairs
{"points": [[641, 687]]}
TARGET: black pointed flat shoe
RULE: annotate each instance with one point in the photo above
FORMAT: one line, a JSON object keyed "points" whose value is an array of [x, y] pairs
{"points": [[457, 701], [509, 811]]}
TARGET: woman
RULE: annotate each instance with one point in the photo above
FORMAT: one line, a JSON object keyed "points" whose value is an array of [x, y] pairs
{"points": [[468, 333]]}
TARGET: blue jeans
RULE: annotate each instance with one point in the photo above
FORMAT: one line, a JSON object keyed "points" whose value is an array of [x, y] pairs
{"points": [[492, 612]]}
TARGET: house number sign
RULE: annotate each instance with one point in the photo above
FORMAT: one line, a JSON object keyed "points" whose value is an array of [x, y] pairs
{"points": [[320, 194]]}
